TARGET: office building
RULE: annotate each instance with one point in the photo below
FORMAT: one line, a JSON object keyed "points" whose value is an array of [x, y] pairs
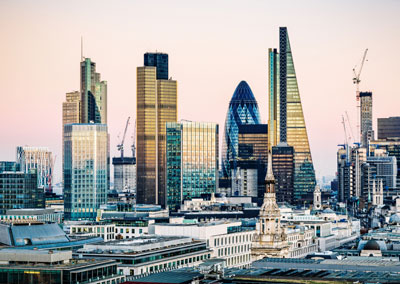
{"points": [[251, 162], [366, 131], [55, 267], [349, 171], [192, 160], [286, 119], [391, 146], [388, 127], [283, 168], [243, 109], [124, 174], [86, 166], [156, 104], [160, 61], [72, 108], [9, 166], [227, 240], [39, 158], [93, 94], [20, 190], [149, 254]]}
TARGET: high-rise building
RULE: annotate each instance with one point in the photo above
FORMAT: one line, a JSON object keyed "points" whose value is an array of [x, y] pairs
{"points": [[252, 156], [192, 160], [286, 117], [19, 190], [388, 127], [243, 109], [366, 118], [349, 171], [124, 174], [283, 168], [86, 166], [39, 158], [93, 94], [158, 60], [72, 108], [156, 104]]}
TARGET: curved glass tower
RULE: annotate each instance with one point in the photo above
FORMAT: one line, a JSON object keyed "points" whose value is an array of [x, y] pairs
{"points": [[243, 109]]}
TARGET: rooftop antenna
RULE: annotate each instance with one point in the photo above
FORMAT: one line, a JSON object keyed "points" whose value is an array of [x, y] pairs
{"points": [[81, 48]]}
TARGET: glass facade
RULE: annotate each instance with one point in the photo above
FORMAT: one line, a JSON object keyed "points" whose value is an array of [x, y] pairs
{"points": [[243, 109], [19, 190], [388, 127], [192, 161], [291, 128], [156, 104], [283, 169], [160, 61], [86, 167], [93, 94], [39, 158], [366, 118]]}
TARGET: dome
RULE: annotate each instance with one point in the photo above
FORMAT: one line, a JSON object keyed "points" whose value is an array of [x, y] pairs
{"points": [[328, 210], [371, 245], [394, 219], [243, 110]]}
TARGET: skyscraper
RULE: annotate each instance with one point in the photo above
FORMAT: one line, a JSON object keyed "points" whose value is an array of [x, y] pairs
{"points": [[72, 108], [389, 127], [39, 158], [243, 109], [158, 60], [366, 118], [86, 166], [93, 94], [192, 160], [283, 168], [156, 104], [287, 111]]}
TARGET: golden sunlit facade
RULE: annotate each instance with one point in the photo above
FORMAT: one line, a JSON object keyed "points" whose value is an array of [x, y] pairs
{"points": [[156, 105]]}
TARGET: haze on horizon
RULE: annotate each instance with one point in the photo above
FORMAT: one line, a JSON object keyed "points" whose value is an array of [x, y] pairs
{"points": [[212, 46]]}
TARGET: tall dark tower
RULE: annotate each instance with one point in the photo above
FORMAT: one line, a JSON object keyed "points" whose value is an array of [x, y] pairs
{"points": [[283, 43], [160, 61]]}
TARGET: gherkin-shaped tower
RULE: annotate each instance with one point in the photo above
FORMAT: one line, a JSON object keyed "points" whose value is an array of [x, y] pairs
{"points": [[243, 109]]}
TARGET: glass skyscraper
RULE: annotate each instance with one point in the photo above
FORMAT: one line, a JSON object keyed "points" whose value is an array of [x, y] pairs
{"points": [[286, 119], [156, 104], [192, 160], [158, 60], [366, 131], [86, 166], [243, 109], [93, 94]]}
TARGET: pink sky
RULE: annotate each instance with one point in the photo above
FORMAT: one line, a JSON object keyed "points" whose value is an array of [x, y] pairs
{"points": [[212, 46]]}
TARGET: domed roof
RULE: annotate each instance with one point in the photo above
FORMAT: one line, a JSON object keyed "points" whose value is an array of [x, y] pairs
{"points": [[328, 210], [372, 245], [243, 93], [394, 219]]}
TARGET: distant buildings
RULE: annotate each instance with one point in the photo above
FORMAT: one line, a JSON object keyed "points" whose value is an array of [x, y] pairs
{"points": [[86, 170], [243, 109], [388, 127], [124, 174], [20, 190], [191, 160], [39, 158], [286, 119], [156, 104]]}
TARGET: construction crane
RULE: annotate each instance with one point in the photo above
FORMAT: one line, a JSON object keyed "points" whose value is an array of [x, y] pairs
{"points": [[349, 124], [133, 147], [120, 146], [356, 79]]}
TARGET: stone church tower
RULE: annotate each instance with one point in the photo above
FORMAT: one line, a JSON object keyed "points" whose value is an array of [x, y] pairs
{"points": [[270, 239]]}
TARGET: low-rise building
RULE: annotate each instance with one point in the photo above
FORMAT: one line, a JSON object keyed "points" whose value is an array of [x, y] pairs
{"points": [[227, 240], [32, 214], [149, 254], [56, 267]]}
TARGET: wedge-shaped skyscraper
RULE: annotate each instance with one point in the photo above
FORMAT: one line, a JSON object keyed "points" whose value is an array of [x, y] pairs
{"points": [[286, 120]]}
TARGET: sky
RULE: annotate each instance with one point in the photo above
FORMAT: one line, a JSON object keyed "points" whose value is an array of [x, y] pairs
{"points": [[212, 46]]}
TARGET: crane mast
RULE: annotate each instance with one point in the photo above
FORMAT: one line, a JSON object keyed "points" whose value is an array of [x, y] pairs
{"points": [[120, 146]]}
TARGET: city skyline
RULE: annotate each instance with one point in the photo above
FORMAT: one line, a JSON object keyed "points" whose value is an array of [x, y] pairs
{"points": [[31, 111]]}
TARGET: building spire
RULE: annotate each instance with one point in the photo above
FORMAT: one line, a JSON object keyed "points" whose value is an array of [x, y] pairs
{"points": [[270, 174], [81, 48]]}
